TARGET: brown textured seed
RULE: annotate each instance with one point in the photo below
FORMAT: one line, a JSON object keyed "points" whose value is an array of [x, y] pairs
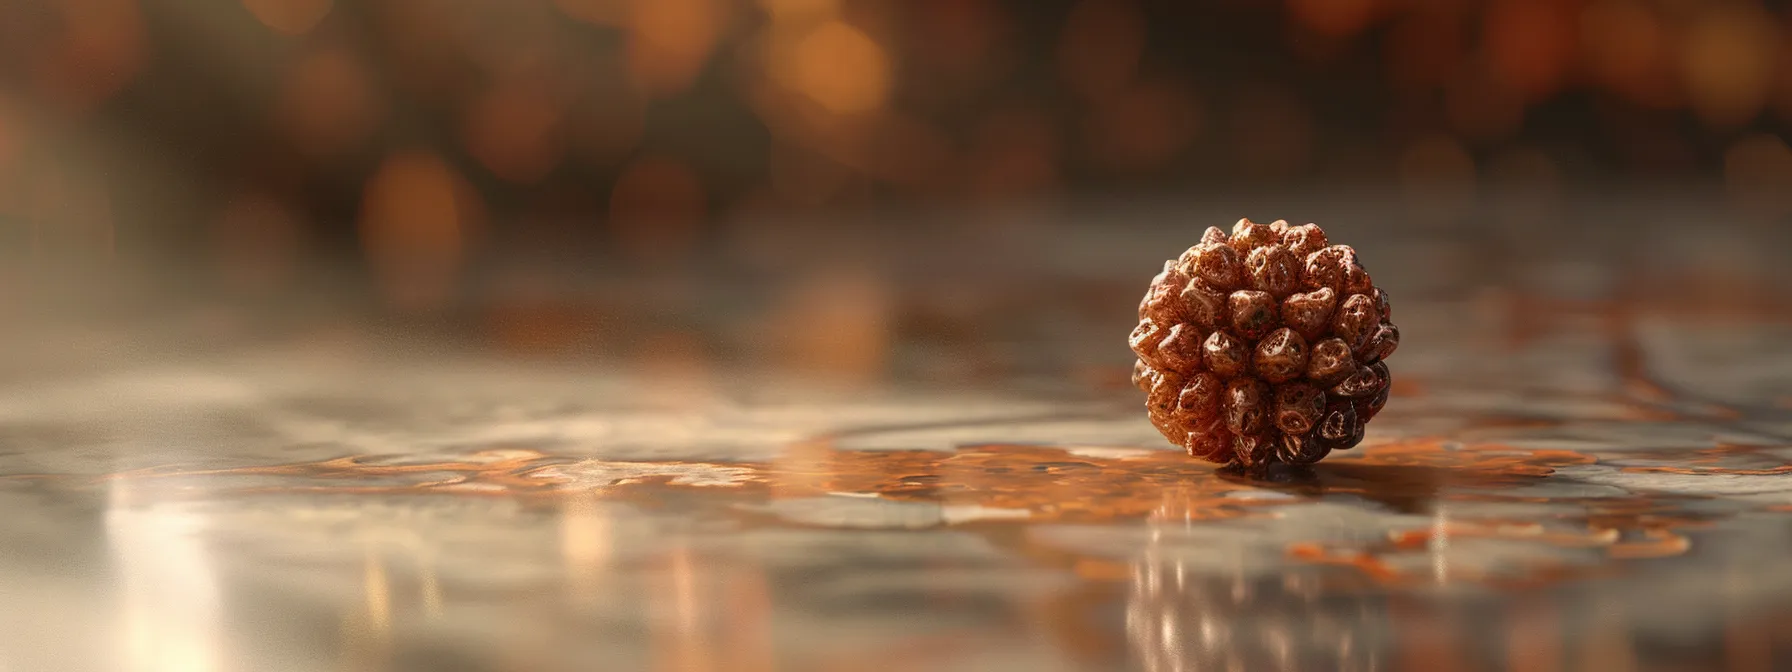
{"points": [[1298, 407], [1166, 389], [1171, 276], [1218, 264], [1161, 301], [1273, 269], [1144, 339], [1299, 449], [1186, 260], [1253, 313], [1330, 362], [1368, 407], [1264, 345], [1204, 306], [1248, 235], [1245, 405], [1384, 377], [1355, 320], [1180, 349], [1281, 356], [1303, 240], [1338, 425], [1250, 450], [1310, 314], [1224, 355], [1326, 267], [1381, 343], [1356, 280], [1366, 381], [1210, 441], [1201, 397]]}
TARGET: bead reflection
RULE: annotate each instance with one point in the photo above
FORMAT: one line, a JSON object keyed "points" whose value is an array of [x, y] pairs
{"points": [[169, 595], [1241, 615], [1178, 620]]}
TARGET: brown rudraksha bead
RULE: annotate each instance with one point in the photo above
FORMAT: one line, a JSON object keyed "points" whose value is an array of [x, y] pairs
{"points": [[1264, 345]]}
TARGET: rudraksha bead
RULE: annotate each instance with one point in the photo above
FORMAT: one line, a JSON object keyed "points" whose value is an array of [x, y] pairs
{"points": [[1264, 345]]}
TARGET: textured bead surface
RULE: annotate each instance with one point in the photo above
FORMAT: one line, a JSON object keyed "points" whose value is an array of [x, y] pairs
{"points": [[1253, 313], [1216, 263], [1203, 305], [1310, 313], [1225, 355], [1281, 356], [1264, 344]]}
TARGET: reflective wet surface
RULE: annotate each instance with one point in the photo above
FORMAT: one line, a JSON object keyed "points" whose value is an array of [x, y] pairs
{"points": [[1582, 467]]}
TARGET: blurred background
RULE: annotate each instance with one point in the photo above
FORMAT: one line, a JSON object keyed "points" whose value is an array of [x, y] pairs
{"points": [[531, 170], [213, 213]]}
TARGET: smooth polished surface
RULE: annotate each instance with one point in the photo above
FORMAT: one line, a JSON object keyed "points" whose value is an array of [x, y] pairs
{"points": [[1579, 470]]}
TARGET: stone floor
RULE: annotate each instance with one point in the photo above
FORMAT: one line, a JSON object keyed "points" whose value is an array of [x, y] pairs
{"points": [[1570, 476]]}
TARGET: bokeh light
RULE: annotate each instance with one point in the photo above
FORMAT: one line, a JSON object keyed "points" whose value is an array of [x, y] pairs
{"points": [[415, 229], [328, 104], [1144, 126], [837, 66], [99, 49], [514, 130], [293, 17], [1529, 44], [836, 322], [1335, 17], [1101, 46], [1728, 59], [639, 131], [1627, 50], [258, 243], [670, 41], [656, 209], [607, 13], [1274, 133]]}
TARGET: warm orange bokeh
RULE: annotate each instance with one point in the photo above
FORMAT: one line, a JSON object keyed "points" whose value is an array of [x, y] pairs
{"points": [[656, 209], [415, 223], [293, 17], [328, 104], [639, 127], [670, 41]]}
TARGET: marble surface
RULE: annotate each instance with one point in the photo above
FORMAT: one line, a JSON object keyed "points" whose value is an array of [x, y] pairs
{"points": [[1566, 479]]}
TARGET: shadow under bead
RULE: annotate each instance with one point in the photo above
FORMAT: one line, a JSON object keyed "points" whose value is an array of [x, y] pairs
{"points": [[1264, 346]]}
